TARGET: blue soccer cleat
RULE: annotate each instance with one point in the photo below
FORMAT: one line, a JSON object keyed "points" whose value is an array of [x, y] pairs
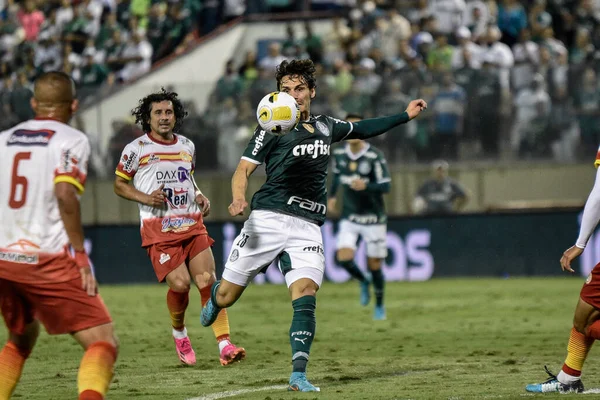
{"points": [[365, 294], [379, 313], [210, 311], [299, 383], [552, 385]]}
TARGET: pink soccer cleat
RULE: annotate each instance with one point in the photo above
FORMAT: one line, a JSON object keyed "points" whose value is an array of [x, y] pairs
{"points": [[184, 351], [231, 353]]}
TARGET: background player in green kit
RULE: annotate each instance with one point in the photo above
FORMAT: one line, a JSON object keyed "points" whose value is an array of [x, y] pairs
{"points": [[362, 172], [289, 208]]}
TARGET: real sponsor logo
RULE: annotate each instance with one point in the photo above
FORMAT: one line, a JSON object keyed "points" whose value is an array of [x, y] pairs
{"points": [[164, 258], [176, 197], [18, 258], [314, 150], [314, 249], [308, 204], [177, 224], [258, 143], [128, 161], [25, 137]]}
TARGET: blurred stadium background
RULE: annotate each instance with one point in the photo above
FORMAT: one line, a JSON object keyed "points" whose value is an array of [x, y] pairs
{"points": [[512, 86]]}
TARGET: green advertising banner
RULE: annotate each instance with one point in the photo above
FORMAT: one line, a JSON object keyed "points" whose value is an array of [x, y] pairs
{"points": [[502, 245]]}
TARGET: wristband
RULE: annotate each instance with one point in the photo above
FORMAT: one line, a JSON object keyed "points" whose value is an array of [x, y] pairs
{"points": [[81, 259]]}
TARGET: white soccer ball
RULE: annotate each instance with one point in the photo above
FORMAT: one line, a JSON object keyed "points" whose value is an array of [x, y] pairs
{"points": [[278, 113]]}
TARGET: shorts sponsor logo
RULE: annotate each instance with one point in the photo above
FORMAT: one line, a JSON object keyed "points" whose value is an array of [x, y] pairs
{"points": [[309, 205], [314, 249], [25, 137], [235, 254], [177, 224], [314, 150], [18, 258], [164, 258], [323, 128], [363, 219], [258, 143], [128, 161]]}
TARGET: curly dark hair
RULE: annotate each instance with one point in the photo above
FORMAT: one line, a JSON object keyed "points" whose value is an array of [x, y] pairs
{"points": [[304, 69], [142, 111]]}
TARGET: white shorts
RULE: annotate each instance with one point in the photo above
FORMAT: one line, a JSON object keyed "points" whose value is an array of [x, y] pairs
{"points": [[374, 235], [296, 244]]}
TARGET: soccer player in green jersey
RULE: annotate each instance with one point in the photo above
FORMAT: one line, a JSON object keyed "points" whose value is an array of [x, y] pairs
{"points": [[362, 172], [289, 208]]}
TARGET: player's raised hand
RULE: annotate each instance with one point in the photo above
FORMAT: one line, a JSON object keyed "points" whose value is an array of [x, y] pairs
{"points": [[415, 107], [204, 204], [237, 207], [569, 255], [157, 198], [358, 185]]}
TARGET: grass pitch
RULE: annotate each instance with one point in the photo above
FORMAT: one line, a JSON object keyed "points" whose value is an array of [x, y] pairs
{"points": [[444, 339]]}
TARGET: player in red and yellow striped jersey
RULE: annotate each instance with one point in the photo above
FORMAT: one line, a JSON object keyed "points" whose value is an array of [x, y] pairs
{"points": [[586, 322], [156, 171]]}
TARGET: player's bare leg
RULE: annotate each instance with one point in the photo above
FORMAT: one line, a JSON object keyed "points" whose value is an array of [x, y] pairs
{"points": [[179, 281], [13, 356], [96, 368], [378, 279], [586, 329], [202, 269], [223, 294], [345, 258], [302, 332]]}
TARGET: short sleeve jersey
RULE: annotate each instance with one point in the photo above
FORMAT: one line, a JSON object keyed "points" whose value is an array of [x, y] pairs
{"points": [[369, 165], [296, 166], [36, 155], [149, 164]]}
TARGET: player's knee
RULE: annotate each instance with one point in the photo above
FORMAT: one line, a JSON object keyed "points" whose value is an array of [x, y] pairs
{"points": [[304, 287], [374, 264], [344, 255], [179, 285], [580, 325]]}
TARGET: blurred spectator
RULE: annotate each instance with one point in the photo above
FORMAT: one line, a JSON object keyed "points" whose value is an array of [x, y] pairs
{"points": [[448, 14], [587, 103], [449, 109], [466, 46], [527, 59], [20, 98], [137, 57], [487, 103], [532, 107], [248, 71], [441, 194], [93, 74], [512, 19], [31, 19], [313, 44], [273, 59], [230, 84]]}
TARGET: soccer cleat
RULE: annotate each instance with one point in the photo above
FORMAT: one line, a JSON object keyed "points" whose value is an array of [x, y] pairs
{"points": [[299, 383], [184, 351], [210, 311], [231, 353], [379, 313], [552, 385], [365, 294]]}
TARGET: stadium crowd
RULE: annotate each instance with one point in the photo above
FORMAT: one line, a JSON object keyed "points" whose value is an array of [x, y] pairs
{"points": [[505, 79]]}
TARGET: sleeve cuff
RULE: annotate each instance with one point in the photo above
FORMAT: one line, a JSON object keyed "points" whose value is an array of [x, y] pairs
{"points": [[71, 180], [122, 175]]}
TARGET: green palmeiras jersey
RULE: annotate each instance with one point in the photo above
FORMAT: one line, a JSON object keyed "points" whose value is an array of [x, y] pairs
{"points": [[296, 165], [364, 206]]}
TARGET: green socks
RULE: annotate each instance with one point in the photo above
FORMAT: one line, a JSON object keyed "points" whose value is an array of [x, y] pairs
{"points": [[302, 331]]}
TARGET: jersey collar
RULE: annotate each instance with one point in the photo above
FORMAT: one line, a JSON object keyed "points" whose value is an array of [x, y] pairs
{"points": [[356, 156], [163, 142]]}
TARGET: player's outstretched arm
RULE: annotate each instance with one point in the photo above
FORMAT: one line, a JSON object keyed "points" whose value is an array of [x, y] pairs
{"points": [[368, 128], [589, 221], [70, 213], [239, 185], [125, 190]]}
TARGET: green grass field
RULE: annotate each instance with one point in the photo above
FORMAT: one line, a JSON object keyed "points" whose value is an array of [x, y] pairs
{"points": [[444, 339]]}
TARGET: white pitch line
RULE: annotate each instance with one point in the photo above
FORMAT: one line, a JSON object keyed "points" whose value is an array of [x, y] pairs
{"points": [[232, 393]]}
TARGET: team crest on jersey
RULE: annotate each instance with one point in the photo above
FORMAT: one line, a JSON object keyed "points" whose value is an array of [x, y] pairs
{"points": [[309, 128], [187, 157], [235, 254], [323, 128], [352, 166], [364, 167]]}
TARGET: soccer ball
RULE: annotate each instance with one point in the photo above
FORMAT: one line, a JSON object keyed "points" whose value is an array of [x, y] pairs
{"points": [[278, 113]]}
